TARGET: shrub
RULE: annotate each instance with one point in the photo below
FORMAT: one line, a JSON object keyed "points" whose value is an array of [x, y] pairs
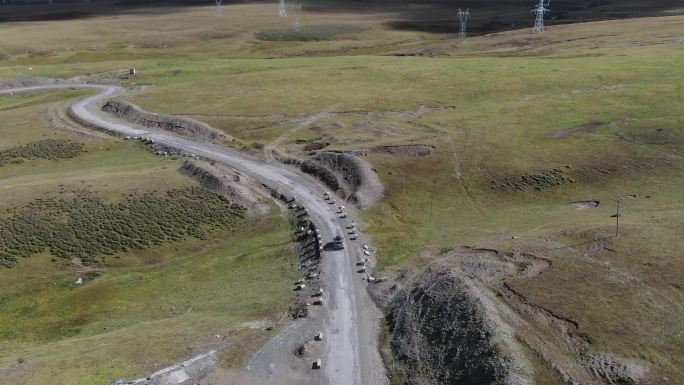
{"points": [[44, 149], [86, 226]]}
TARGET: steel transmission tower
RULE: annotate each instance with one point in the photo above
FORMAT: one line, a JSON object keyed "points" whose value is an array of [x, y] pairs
{"points": [[297, 17], [539, 20], [462, 21], [281, 10], [219, 7]]}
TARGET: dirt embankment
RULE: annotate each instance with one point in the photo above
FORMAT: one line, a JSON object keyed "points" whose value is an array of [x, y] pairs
{"points": [[227, 182], [346, 174], [182, 126], [441, 334], [459, 322], [309, 250], [418, 150]]}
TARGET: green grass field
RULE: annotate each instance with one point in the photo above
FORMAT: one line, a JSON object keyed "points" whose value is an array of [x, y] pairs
{"points": [[601, 101], [145, 308]]}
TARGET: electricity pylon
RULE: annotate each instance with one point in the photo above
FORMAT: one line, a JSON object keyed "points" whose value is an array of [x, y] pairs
{"points": [[539, 20], [297, 18], [462, 21], [281, 10]]}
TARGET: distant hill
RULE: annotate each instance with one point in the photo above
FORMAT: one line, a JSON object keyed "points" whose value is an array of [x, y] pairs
{"points": [[436, 16]]}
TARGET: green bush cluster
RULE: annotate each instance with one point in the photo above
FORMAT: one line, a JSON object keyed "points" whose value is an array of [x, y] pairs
{"points": [[86, 226], [536, 181], [308, 33], [44, 149]]}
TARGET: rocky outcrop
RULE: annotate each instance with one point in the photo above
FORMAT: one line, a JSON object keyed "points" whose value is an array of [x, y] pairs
{"points": [[226, 182], [441, 334], [182, 126]]}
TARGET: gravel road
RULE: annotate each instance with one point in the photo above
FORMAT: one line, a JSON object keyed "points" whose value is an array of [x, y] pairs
{"points": [[348, 317]]}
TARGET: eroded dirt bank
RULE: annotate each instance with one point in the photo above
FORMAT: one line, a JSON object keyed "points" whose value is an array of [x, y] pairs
{"points": [[441, 334], [228, 182], [182, 126], [458, 322], [345, 174]]}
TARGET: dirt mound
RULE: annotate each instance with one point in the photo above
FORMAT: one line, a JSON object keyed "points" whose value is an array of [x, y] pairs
{"points": [[397, 150], [183, 126], [441, 334], [227, 182], [28, 82]]}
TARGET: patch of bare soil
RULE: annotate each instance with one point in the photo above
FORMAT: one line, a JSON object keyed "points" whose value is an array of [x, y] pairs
{"points": [[564, 133], [418, 150], [228, 182], [583, 205], [182, 126]]}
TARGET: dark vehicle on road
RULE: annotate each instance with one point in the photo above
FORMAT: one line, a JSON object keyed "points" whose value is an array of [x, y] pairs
{"points": [[338, 242]]}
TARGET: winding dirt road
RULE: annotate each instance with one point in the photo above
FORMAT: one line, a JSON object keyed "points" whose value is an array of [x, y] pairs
{"points": [[348, 318]]}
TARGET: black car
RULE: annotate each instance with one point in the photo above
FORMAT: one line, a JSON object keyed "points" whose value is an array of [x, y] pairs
{"points": [[338, 242]]}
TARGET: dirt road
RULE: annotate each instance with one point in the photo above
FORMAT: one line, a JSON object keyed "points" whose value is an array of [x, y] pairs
{"points": [[348, 317]]}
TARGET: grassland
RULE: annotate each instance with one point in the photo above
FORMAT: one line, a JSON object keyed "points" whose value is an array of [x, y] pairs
{"points": [[602, 101], [137, 310]]}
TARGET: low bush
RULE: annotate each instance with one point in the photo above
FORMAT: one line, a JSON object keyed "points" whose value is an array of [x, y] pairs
{"points": [[86, 226], [44, 149]]}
